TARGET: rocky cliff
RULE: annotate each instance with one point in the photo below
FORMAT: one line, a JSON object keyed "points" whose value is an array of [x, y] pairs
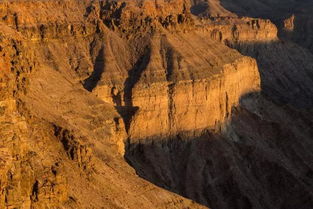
{"points": [[200, 102], [178, 71], [61, 147]]}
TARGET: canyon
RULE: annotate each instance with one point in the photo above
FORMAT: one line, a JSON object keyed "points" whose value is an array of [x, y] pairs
{"points": [[156, 104]]}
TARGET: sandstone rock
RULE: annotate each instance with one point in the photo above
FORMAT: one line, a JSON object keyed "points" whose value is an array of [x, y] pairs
{"points": [[84, 84], [54, 155]]}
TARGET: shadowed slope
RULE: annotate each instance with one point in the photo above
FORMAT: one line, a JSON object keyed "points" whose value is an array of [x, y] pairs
{"points": [[62, 146], [254, 163], [286, 71], [91, 82]]}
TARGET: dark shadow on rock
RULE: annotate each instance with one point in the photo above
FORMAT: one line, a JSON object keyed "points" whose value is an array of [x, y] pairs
{"points": [[199, 8], [134, 75], [301, 31], [262, 157], [91, 82], [278, 11], [254, 163], [286, 71], [266, 9], [286, 68], [127, 113]]}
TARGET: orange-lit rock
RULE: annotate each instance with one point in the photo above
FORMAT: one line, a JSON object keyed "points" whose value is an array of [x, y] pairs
{"points": [[96, 96]]}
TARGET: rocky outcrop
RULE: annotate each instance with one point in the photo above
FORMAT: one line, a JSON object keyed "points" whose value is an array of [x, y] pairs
{"points": [[186, 97], [254, 8], [85, 84], [229, 29], [138, 17], [60, 145], [298, 28], [209, 8], [164, 69], [252, 151]]}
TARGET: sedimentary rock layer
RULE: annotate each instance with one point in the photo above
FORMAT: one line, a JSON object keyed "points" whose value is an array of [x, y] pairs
{"points": [[60, 145], [85, 83]]}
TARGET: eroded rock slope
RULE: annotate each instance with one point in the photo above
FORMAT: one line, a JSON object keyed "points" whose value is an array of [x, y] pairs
{"points": [[198, 99], [62, 147]]}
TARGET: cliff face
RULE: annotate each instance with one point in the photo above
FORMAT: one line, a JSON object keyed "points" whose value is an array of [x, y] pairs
{"points": [[251, 158], [178, 71], [229, 29], [293, 18], [246, 165], [173, 87], [278, 47], [87, 86], [61, 147]]}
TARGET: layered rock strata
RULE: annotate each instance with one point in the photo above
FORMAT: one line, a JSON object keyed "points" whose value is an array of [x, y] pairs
{"points": [[170, 79], [253, 163], [81, 78], [62, 147]]}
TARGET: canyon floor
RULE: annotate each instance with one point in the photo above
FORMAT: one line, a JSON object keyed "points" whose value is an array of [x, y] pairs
{"points": [[169, 104]]}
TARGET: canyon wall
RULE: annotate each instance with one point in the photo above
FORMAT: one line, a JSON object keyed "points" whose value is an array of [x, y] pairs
{"points": [[215, 107], [179, 75], [62, 147], [253, 160], [188, 97]]}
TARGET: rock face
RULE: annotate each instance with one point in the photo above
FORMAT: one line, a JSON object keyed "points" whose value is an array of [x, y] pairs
{"points": [[247, 165], [61, 147], [182, 93], [199, 101], [170, 79]]}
